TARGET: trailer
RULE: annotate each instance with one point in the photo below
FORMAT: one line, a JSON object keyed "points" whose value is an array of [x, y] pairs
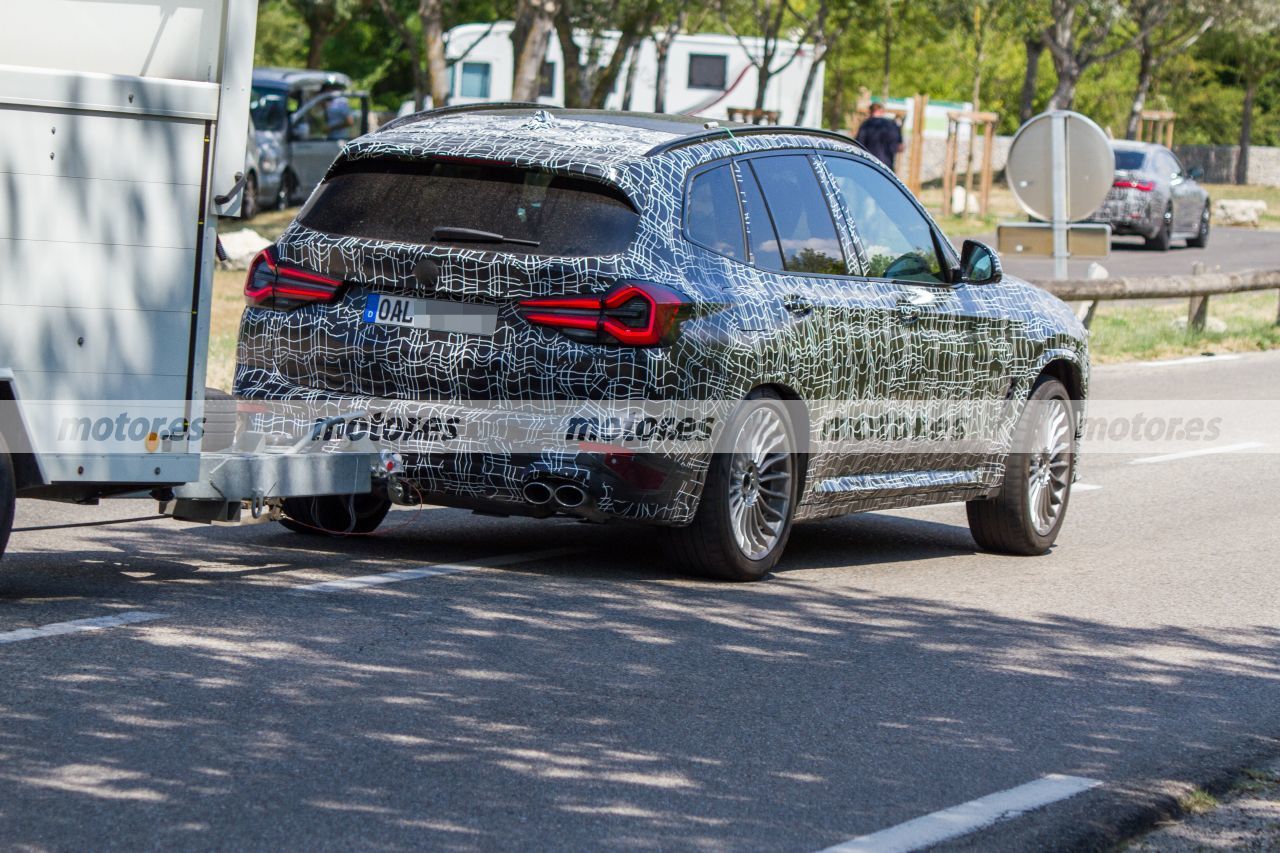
{"points": [[708, 74], [124, 132]]}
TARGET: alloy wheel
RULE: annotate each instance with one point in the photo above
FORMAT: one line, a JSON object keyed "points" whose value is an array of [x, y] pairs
{"points": [[1050, 466], [760, 482]]}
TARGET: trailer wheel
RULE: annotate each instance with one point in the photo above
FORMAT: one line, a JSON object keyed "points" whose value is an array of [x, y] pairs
{"points": [[8, 495], [336, 515], [220, 417]]}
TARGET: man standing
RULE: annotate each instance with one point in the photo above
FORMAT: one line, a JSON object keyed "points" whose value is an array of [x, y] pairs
{"points": [[338, 116], [881, 136]]}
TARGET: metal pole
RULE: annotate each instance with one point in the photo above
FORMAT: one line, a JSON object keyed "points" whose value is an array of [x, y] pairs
{"points": [[1058, 153]]}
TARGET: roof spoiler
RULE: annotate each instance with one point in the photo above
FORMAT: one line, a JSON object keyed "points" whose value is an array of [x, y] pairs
{"points": [[497, 106]]}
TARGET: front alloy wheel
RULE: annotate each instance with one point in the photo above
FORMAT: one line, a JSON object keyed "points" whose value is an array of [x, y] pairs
{"points": [[1025, 516], [744, 518]]}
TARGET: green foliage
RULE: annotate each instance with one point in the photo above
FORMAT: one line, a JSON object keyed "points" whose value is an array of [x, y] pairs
{"points": [[932, 51]]}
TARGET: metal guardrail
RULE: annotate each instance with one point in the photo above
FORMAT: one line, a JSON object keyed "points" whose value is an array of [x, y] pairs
{"points": [[1197, 287]]}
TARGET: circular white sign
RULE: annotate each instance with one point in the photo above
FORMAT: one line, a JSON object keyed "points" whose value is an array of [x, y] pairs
{"points": [[1090, 166]]}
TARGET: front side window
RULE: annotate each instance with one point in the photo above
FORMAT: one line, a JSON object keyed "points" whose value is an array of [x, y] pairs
{"points": [[896, 238], [475, 80], [712, 216], [708, 71], [269, 108], [805, 230]]}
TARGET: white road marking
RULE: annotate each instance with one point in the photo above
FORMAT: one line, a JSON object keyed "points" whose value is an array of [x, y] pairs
{"points": [[1084, 487], [1191, 359], [431, 571], [968, 817], [1206, 451], [79, 625]]}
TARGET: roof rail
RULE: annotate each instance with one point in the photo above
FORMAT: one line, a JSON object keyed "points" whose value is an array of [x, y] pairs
{"points": [[748, 130], [495, 106]]}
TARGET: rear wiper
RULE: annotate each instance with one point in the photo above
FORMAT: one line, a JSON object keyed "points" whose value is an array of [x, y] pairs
{"points": [[450, 234]]}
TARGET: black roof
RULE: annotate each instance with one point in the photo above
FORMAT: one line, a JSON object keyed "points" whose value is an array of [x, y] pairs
{"points": [[291, 76]]}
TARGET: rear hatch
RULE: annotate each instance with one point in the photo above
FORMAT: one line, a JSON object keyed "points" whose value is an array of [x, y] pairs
{"points": [[1131, 189], [436, 257]]}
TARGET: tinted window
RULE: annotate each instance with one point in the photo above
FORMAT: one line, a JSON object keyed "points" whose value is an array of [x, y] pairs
{"points": [[268, 108], [712, 215], [800, 215], [895, 236], [761, 237], [1130, 160], [404, 202], [708, 71], [475, 80]]}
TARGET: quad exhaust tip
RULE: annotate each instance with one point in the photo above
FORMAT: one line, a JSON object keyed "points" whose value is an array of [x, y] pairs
{"points": [[537, 493], [570, 496]]}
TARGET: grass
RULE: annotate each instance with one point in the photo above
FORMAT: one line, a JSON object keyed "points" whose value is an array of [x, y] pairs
{"points": [[1129, 331], [1198, 802], [228, 302]]}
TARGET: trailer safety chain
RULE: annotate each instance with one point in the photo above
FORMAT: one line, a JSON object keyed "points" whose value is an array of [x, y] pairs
{"points": [[88, 523]]}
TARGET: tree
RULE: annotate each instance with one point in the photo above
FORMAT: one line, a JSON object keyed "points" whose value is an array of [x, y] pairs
{"points": [[769, 19], [588, 76], [429, 76], [1249, 48], [1077, 34], [323, 19], [827, 30], [1185, 23], [534, 23]]}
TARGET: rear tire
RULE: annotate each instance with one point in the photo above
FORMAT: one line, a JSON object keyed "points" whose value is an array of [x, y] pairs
{"points": [[1164, 237], [744, 518], [1026, 514], [249, 199], [335, 515], [287, 191], [1201, 240], [8, 495]]}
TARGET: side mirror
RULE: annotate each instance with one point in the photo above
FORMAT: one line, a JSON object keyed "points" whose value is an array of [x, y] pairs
{"points": [[1195, 173], [979, 264]]}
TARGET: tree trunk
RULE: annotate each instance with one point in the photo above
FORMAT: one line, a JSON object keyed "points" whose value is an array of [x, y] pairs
{"points": [[317, 35], [575, 88], [1246, 130], [1146, 71], [662, 48], [431, 14], [888, 48], [1027, 105], [633, 64], [819, 53], [1064, 95], [538, 17]]}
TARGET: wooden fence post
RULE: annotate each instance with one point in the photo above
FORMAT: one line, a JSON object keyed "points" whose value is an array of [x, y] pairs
{"points": [[1198, 307], [949, 166]]}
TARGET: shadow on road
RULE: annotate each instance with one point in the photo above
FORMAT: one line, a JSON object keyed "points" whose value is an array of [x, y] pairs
{"points": [[602, 701]]}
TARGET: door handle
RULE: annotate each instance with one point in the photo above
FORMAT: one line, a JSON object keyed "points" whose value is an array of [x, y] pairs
{"points": [[797, 305], [909, 309]]}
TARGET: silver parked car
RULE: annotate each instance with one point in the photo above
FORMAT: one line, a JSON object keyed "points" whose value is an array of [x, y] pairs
{"points": [[1154, 197]]}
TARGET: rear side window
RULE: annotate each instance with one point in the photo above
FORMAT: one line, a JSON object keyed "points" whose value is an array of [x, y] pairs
{"points": [[712, 215], [801, 217], [406, 201], [1130, 161]]}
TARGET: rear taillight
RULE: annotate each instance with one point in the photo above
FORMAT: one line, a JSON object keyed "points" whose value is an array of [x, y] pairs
{"points": [[633, 313], [271, 284], [1140, 186]]}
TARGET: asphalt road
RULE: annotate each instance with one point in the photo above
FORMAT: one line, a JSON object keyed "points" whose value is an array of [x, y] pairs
{"points": [[1229, 250], [589, 697]]}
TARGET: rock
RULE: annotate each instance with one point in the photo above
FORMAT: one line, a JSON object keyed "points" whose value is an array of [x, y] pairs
{"points": [[241, 247], [958, 202], [1238, 211], [1096, 272], [1211, 324]]}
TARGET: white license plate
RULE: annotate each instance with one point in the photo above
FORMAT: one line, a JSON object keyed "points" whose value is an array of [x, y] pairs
{"points": [[438, 315]]}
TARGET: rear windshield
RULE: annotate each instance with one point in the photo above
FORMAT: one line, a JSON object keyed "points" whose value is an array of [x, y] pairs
{"points": [[1130, 160], [406, 201]]}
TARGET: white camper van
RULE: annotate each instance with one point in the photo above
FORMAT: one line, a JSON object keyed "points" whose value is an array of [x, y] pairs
{"points": [[707, 74], [124, 139]]}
